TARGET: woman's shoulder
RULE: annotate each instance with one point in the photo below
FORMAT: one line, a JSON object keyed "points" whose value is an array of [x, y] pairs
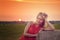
{"points": [[31, 23]]}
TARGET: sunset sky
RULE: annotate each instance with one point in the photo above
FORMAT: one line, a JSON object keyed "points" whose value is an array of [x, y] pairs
{"points": [[27, 10]]}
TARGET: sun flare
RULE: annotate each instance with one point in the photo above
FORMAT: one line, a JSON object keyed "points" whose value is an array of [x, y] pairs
{"points": [[19, 19]]}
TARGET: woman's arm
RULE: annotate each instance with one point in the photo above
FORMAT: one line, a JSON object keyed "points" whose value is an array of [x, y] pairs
{"points": [[51, 26], [41, 30], [26, 29]]}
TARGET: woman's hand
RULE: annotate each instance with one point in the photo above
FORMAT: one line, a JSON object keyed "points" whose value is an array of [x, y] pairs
{"points": [[30, 35]]}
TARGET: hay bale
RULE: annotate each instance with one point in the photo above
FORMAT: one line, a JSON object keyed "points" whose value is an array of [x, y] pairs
{"points": [[49, 35]]}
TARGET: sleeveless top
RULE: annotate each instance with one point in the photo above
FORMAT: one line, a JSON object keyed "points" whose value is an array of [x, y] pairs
{"points": [[33, 29]]}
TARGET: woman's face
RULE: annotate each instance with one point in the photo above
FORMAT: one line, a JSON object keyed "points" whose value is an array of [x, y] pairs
{"points": [[39, 19], [44, 17]]}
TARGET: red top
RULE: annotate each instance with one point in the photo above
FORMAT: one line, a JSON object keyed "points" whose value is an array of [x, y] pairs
{"points": [[33, 29]]}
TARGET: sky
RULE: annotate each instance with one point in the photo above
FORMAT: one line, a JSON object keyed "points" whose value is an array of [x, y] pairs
{"points": [[27, 10]]}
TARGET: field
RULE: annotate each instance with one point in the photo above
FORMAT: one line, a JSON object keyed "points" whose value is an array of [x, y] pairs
{"points": [[12, 31]]}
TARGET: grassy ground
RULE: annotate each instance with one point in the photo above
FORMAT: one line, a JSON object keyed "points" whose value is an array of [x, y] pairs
{"points": [[14, 31], [57, 26], [11, 31]]}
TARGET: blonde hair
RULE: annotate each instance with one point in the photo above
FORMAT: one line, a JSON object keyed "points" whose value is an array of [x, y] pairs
{"points": [[42, 14]]}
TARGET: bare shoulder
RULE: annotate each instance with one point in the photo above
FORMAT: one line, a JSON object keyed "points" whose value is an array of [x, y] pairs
{"points": [[31, 22]]}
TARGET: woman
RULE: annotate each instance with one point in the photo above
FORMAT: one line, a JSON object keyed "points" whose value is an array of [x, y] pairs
{"points": [[32, 29]]}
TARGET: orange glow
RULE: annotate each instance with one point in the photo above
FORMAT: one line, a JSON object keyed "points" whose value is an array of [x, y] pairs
{"points": [[19, 0], [28, 10], [19, 19]]}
